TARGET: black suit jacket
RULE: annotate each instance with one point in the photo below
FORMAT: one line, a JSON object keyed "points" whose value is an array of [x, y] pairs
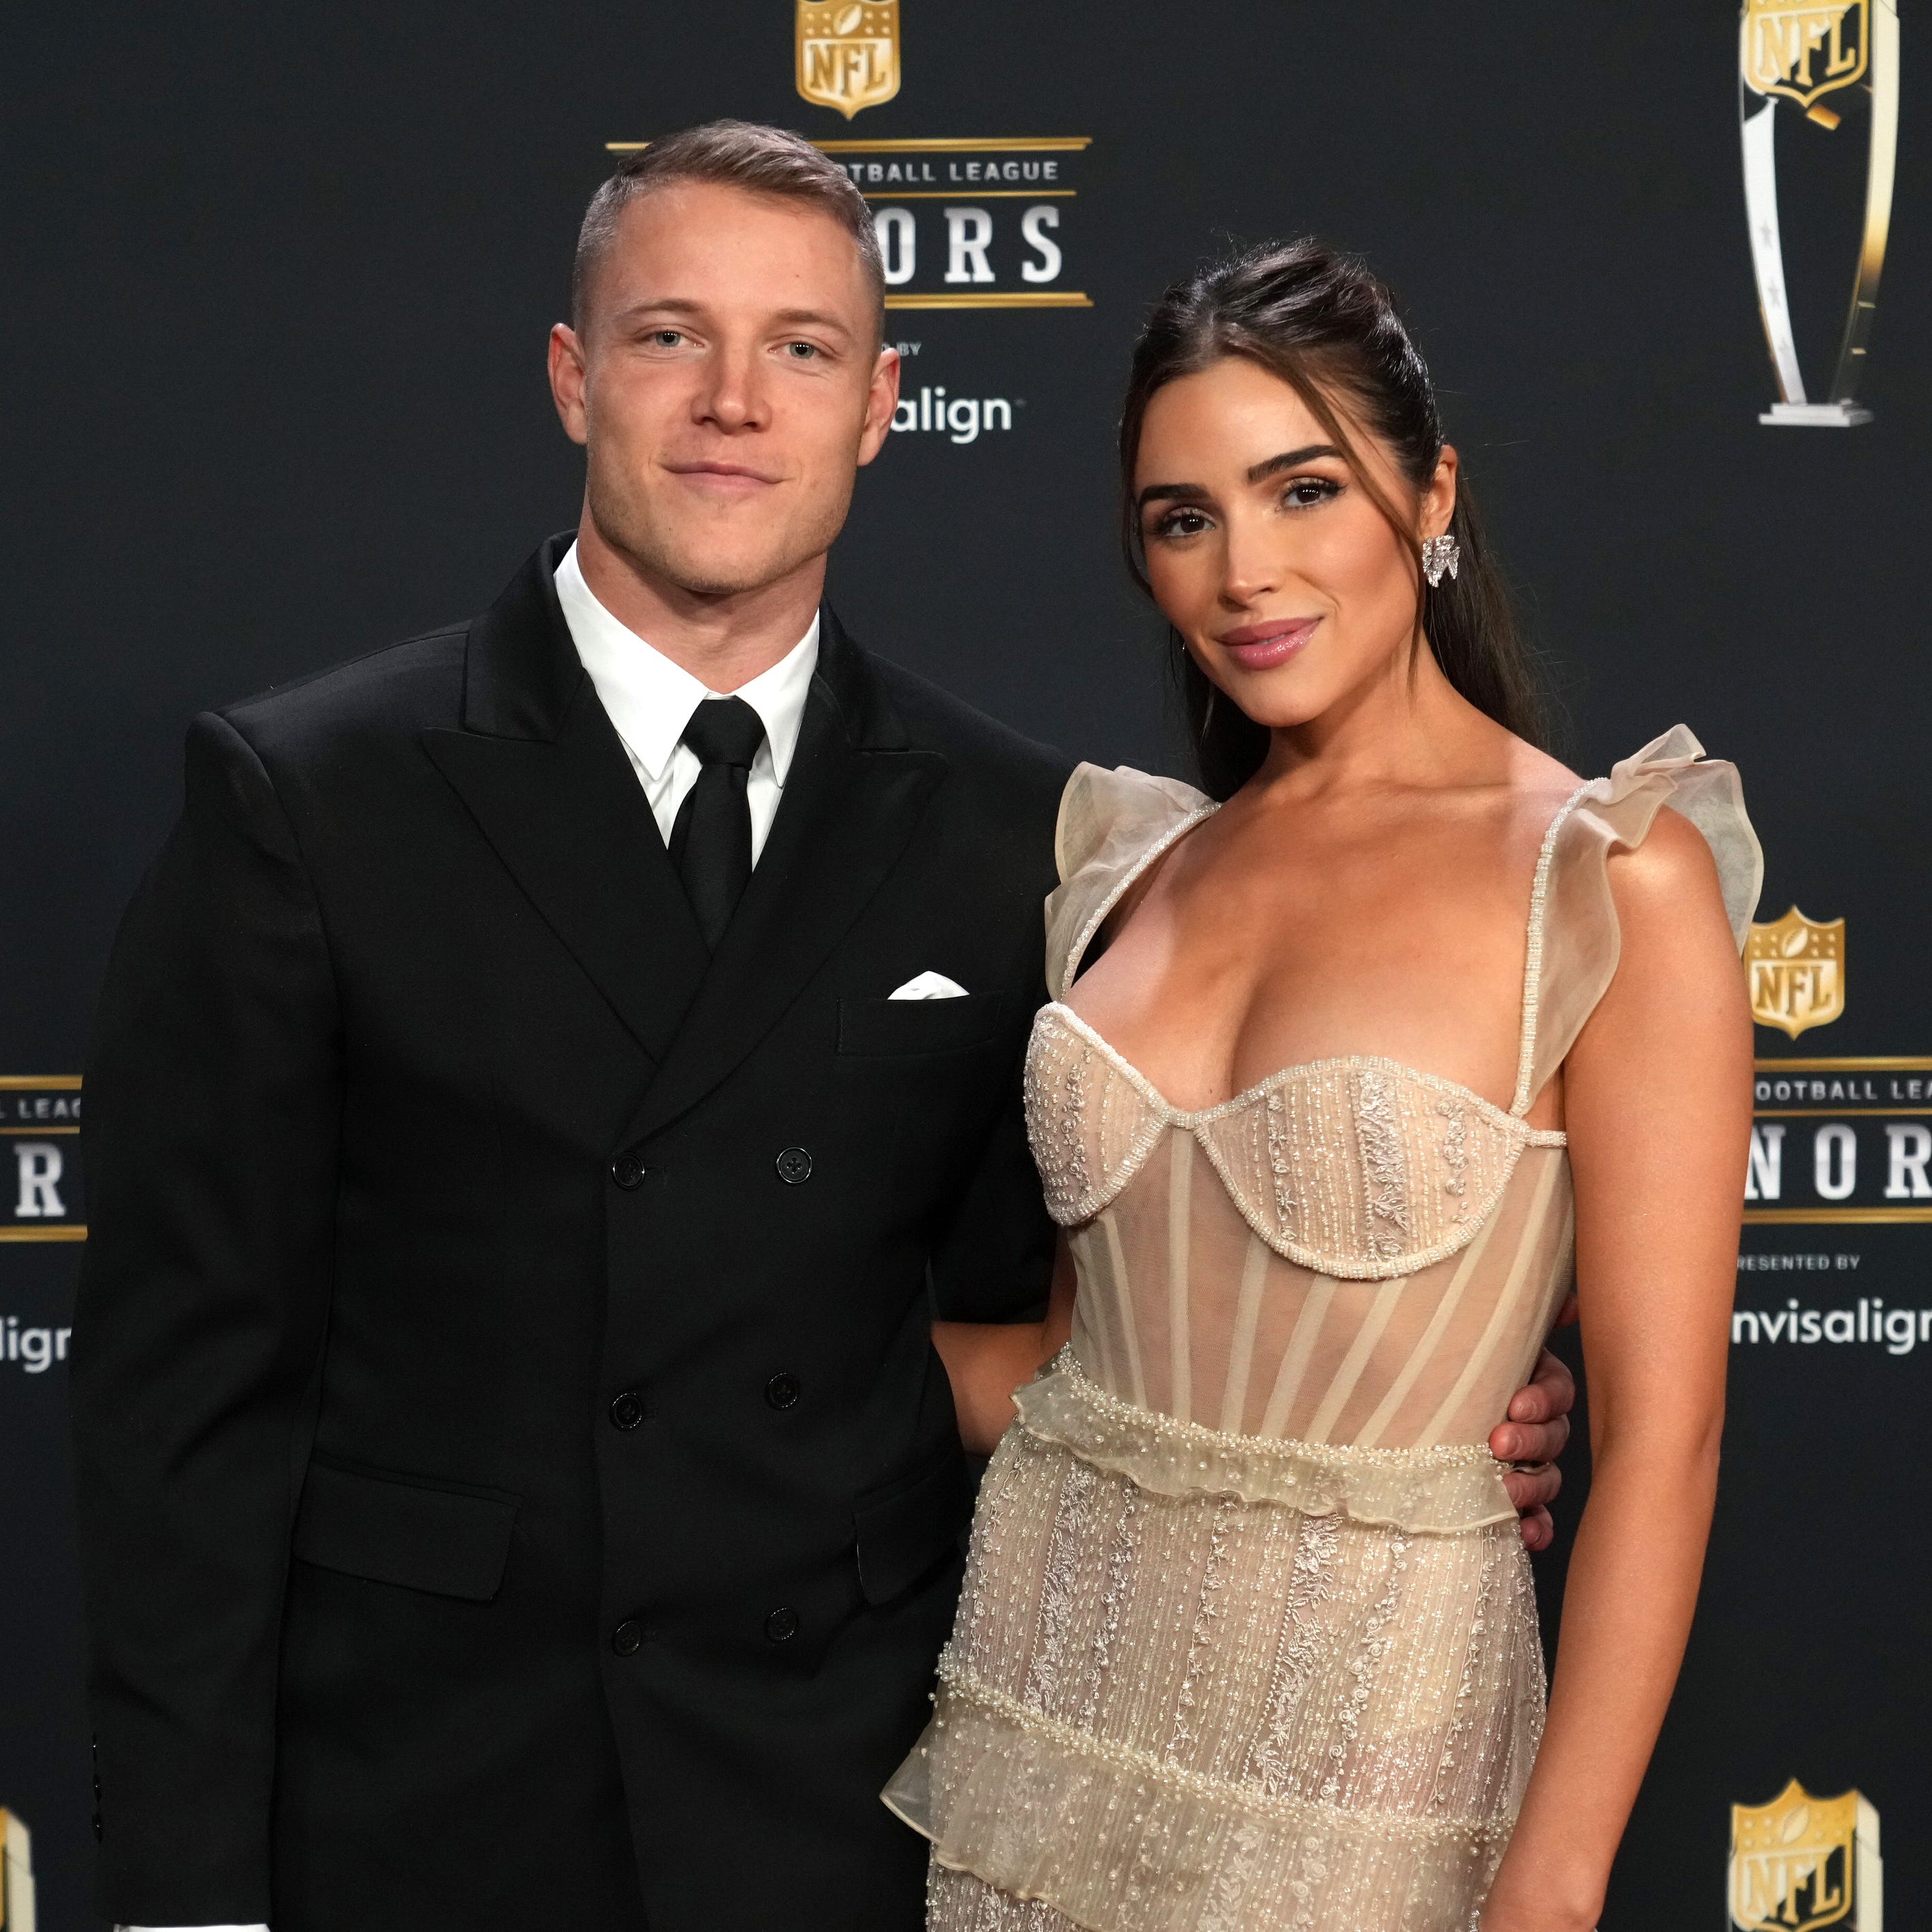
{"points": [[517, 1487]]}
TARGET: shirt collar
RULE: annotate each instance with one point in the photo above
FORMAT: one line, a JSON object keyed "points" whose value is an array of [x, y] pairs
{"points": [[650, 699]]}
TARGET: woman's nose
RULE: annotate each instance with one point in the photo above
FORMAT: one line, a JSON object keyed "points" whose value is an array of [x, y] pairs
{"points": [[1251, 563]]}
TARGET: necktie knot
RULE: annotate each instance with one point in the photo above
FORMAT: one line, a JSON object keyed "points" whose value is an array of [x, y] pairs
{"points": [[725, 731]]}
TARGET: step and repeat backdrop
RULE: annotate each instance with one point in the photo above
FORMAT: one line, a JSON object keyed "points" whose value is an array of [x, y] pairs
{"points": [[279, 281]]}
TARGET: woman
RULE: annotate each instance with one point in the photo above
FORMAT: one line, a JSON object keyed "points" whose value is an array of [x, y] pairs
{"points": [[1346, 1058]]}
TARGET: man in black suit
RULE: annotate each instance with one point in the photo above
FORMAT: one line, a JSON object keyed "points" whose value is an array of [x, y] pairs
{"points": [[517, 1485]]}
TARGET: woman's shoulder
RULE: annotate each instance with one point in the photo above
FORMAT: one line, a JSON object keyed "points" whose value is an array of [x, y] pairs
{"points": [[1647, 852], [1111, 825], [1670, 855], [1615, 862], [1111, 818]]}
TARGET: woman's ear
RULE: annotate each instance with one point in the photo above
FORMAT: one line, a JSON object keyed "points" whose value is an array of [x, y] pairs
{"points": [[1438, 496]]}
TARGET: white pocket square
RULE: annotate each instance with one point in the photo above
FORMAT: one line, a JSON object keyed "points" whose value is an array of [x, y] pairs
{"points": [[931, 986]]}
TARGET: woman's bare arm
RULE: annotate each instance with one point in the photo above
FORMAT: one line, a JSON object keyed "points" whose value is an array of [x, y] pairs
{"points": [[987, 1360], [1657, 1107]]}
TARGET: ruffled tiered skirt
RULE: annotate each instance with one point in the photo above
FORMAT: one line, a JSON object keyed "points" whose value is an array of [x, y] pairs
{"points": [[1203, 1682]]}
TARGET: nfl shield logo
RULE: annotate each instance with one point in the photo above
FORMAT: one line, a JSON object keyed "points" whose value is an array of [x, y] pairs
{"points": [[1800, 1863], [848, 52], [1802, 49], [1797, 968]]}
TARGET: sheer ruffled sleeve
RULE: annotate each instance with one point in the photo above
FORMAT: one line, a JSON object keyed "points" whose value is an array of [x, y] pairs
{"points": [[1109, 822], [1575, 945]]}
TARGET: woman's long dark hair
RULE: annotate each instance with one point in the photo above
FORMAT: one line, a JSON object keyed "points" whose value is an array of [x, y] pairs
{"points": [[1329, 328]]}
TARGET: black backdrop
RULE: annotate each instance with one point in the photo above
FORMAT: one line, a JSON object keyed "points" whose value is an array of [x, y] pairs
{"points": [[277, 284]]}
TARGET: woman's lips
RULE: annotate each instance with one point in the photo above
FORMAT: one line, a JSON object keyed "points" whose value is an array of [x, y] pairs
{"points": [[1262, 646]]}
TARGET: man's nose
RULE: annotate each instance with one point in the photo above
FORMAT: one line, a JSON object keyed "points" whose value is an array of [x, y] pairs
{"points": [[733, 397]]}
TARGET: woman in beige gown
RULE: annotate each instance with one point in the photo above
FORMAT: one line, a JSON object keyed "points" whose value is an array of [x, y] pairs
{"points": [[1348, 1058]]}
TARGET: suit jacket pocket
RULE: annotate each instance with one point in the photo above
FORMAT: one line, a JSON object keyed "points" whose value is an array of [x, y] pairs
{"points": [[906, 1526], [917, 1026], [452, 1540]]}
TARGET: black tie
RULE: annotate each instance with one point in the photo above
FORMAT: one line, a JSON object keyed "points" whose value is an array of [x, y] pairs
{"points": [[711, 841]]}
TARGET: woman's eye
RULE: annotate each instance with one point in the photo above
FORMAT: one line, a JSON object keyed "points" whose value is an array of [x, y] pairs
{"points": [[1307, 491], [1182, 522]]}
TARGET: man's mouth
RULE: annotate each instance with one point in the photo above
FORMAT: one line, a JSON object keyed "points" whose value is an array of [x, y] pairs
{"points": [[721, 478]]}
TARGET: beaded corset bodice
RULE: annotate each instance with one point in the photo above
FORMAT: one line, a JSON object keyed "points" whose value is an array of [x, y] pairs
{"points": [[1359, 1167], [1355, 1255]]}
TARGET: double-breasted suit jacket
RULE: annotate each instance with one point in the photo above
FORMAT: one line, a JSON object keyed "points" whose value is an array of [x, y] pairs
{"points": [[517, 1486]]}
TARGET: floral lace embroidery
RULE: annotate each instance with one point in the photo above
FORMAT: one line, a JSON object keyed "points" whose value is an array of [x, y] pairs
{"points": [[1454, 1149], [1059, 1583], [1299, 1647], [1380, 1140], [1113, 1596], [1280, 1172]]}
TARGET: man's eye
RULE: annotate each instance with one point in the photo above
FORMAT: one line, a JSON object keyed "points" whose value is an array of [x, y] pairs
{"points": [[667, 338], [802, 352]]}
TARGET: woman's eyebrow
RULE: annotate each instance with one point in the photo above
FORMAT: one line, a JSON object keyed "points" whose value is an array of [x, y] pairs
{"points": [[1186, 493], [1288, 458], [1259, 472]]}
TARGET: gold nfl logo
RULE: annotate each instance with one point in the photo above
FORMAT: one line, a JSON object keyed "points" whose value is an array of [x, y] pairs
{"points": [[1800, 1863], [848, 52], [1797, 968], [1802, 49]]}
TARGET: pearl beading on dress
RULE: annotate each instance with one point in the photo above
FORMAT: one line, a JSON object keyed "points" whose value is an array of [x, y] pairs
{"points": [[1443, 1489], [1532, 963], [961, 1688], [1336, 1164]]}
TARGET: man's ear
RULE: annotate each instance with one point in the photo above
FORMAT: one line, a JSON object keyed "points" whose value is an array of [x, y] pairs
{"points": [[566, 383], [882, 399]]}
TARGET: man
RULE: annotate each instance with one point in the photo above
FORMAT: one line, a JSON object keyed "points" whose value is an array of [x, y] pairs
{"points": [[517, 1485]]}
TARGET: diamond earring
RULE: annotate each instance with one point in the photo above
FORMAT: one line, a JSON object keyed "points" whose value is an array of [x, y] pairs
{"points": [[1440, 554]]}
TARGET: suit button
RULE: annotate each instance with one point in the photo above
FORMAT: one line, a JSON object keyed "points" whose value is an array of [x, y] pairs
{"points": [[627, 1170], [783, 1391], [627, 1410], [97, 1827], [781, 1625], [794, 1166], [628, 1639]]}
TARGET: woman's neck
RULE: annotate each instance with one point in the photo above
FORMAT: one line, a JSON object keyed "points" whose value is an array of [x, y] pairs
{"points": [[1407, 728]]}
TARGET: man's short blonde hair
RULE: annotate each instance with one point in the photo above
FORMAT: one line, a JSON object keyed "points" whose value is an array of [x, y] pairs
{"points": [[734, 154]]}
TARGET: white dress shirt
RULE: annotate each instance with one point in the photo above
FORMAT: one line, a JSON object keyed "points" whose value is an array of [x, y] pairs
{"points": [[650, 701]]}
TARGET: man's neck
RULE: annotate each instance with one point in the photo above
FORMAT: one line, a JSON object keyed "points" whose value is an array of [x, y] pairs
{"points": [[724, 641]]}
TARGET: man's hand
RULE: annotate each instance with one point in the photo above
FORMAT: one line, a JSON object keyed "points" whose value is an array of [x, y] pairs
{"points": [[1532, 1439]]}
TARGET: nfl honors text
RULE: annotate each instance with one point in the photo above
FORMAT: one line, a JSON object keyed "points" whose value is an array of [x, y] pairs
{"points": [[964, 221]]}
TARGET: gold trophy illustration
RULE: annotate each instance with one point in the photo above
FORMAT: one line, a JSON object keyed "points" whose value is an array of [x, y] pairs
{"points": [[1805, 54], [16, 1874]]}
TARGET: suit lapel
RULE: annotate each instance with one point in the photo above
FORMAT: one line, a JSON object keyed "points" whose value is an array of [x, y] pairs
{"points": [[551, 787], [854, 797]]}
